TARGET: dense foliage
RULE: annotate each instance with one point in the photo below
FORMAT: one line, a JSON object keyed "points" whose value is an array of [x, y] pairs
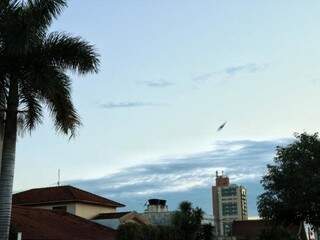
{"points": [[292, 192], [206, 232], [276, 233], [132, 231], [187, 221], [186, 225]]}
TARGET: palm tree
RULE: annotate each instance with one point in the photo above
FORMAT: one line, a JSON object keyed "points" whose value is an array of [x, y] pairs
{"points": [[33, 65]]}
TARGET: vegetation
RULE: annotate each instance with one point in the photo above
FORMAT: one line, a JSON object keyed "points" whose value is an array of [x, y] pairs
{"points": [[292, 193], [186, 225], [206, 232], [187, 221], [276, 233], [33, 66], [133, 231]]}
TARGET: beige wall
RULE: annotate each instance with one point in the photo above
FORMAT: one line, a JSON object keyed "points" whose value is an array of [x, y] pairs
{"points": [[89, 211]]}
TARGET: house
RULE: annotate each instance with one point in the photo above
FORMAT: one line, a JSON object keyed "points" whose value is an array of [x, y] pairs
{"points": [[114, 220], [66, 199], [251, 229], [43, 224]]}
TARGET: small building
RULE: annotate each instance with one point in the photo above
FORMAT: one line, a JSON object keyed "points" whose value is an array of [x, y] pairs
{"points": [[251, 229], [114, 220], [157, 212], [42, 224], [67, 199], [229, 204], [207, 219]]}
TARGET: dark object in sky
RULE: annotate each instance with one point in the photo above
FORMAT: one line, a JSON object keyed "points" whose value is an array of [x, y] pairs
{"points": [[221, 127]]}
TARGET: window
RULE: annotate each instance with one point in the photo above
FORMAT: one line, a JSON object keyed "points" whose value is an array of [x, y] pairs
{"points": [[60, 208], [229, 209], [230, 191], [227, 229]]}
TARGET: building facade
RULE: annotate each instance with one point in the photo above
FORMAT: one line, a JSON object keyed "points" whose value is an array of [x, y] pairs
{"points": [[229, 204], [157, 212], [66, 199]]}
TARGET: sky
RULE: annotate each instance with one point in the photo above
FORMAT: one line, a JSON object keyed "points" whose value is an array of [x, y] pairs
{"points": [[171, 72]]}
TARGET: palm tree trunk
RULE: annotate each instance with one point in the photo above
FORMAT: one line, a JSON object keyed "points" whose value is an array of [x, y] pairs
{"points": [[8, 159], [2, 118], [300, 230]]}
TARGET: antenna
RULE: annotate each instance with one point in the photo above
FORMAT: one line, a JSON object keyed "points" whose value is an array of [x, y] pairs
{"points": [[58, 183]]}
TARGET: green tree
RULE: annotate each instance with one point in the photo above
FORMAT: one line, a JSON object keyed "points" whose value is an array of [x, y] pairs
{"points": [[187, 221], [276, 233], [133, 231], [33, 66], [206, 232], [292, 193], [130, 231]]}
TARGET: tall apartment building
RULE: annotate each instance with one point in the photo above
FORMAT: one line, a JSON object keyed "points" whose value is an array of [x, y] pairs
{"points": [[229, 204]]}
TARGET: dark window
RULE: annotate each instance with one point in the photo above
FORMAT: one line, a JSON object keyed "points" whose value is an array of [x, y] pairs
{"points": [[229, 209], [230, 191], [227, 229], [60, 209]]}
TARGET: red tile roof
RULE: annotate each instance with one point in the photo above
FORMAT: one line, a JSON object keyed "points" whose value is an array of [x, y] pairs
{"points": [[61, 194], [42, 224]]}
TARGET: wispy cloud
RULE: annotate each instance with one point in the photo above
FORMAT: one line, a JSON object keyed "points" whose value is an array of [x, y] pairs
{"points": [[247, 68], [230, 72], [112, 105], [174, 178], [160, 83]]}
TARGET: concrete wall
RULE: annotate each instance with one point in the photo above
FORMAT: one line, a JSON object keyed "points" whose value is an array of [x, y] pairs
{"points": [[90, 211], [87, 211]]}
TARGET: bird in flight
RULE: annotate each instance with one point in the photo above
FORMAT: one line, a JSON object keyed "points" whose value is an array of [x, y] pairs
{"points": [[221, 127]]}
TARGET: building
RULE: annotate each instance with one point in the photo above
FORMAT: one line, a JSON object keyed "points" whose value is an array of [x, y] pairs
{"points": [[30, 223], [157, 212], [207, 219], [251, 229], [229, 204], [67, 199]]}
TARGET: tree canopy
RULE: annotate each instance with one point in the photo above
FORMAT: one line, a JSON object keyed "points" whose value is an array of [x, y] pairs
{"points": [[36, 61], [187, 220], [292, 193]]}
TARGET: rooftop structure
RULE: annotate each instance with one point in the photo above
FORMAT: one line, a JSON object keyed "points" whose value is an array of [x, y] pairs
{"points": [[157, 212]]}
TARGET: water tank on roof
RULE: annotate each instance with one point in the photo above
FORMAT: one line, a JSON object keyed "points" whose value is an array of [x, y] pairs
{"points": [[157, 205], [160, 202]]}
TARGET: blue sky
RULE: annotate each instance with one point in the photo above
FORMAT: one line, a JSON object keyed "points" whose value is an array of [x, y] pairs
{"points": [[171, 73]]}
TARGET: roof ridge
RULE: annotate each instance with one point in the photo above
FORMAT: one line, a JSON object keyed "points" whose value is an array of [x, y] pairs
{"points": [[65, 193], [38, 188], [96, 195]]}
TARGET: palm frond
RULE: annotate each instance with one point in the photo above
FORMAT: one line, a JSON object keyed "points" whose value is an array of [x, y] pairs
{"points": [[69, 52], [30, 105], [53, 88], [40, 13], [60, 104]]}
